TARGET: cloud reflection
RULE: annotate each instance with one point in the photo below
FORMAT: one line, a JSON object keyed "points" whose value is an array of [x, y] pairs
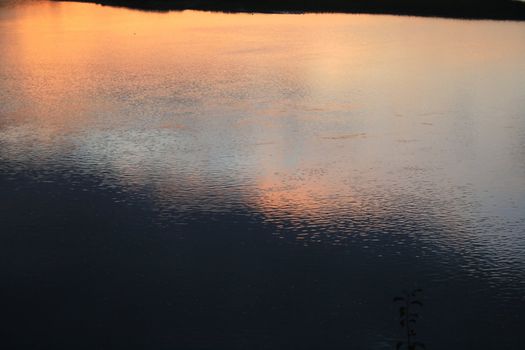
{"points": [[328, 125]]}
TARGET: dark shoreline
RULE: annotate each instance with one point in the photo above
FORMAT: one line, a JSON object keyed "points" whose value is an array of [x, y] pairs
{"points": [[462, 9]]}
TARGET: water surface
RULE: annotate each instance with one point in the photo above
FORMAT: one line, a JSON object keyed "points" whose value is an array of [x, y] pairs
{"points": [[194, 180]]}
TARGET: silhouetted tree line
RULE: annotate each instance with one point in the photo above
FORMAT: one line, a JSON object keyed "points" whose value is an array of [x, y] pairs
{"points": [[490, 9]]}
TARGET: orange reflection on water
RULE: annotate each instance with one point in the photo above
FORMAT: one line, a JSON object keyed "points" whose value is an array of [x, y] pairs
{"points": [[302, 114]]}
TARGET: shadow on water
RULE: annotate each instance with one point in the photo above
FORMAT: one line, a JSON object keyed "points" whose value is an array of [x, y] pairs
{"points": [[91, 264], [467, 9]]}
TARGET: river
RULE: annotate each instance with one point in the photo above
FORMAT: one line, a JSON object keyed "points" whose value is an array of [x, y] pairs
{"points": [[199, 180]]}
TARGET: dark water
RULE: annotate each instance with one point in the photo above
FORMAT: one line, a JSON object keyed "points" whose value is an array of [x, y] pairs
{"points": [[217, 181]]}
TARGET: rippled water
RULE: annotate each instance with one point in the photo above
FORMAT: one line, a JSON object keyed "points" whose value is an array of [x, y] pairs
{"points": [[235, 181]]}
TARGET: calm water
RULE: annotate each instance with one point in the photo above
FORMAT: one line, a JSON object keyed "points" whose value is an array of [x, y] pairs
{"points": [[192, 180]]}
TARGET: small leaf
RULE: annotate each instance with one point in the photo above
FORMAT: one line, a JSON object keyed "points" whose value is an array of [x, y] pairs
{"points": [[417, 302], [398, 299], [416, 291], [399, 345], [418, 344]]}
